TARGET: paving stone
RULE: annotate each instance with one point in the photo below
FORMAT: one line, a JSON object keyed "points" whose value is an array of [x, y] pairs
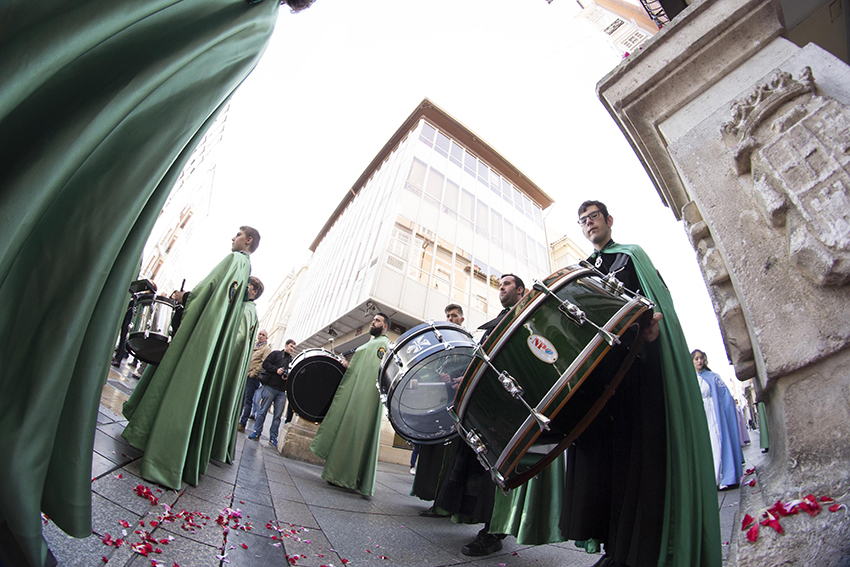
{"points": [[183, 551], [284, 492], [378, 537], [123, 492], [208, 531], [295, 513], [212, 490], [259, 496], [311, 546], [223, 471], [262, 551], [101, 465]]}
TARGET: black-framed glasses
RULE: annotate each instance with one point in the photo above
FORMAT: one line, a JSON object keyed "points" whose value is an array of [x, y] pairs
{"points": [[591, 216]]}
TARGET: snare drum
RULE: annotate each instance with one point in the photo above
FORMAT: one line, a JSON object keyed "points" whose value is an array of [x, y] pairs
{"points": [[313, 378], [150, 329], [416, 380], [547, 369]]}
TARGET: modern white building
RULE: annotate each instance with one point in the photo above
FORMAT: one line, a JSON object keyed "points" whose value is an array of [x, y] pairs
{"points": [[436, 218]]}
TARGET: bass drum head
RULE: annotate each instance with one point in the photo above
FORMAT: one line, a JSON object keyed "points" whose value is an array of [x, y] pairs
{"points": [[314, 376]]}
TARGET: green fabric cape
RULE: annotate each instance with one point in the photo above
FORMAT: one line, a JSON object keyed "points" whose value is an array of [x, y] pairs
{"points": [[224, 442], [531, 512], [349, 435], [691, 532], [101, 105], [175, 407]]}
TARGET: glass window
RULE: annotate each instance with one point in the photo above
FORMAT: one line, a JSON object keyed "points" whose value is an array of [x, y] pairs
{"points": [[507, 191], [496, 225], [467, 203], [416, 178], [442, 145], [528, 205], [428, 133], [521, 243], [451, 195], [481, 219], [456, 154], [538, 216], [434, 187], [518, 200], [470, 163], [483, 173], [509, 235]]}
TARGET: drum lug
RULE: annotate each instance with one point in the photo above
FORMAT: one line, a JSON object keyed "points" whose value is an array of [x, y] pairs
{"points": [[398, 361], [613, 284], [575, 314], [475, 442]]}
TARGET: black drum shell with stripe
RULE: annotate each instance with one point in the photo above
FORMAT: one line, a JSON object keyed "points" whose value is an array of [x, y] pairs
{"points": [[313, 378]]}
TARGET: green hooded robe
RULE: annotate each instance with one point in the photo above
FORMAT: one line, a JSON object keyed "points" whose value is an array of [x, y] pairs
{"points": [[691, 531], [349, 435], [224, 442], [101, 105], [174, 409]]}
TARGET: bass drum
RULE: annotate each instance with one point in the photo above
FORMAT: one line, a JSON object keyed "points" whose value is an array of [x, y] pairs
{"points": [[418, 379], [547, 370], [313, 378], [150, 329]]}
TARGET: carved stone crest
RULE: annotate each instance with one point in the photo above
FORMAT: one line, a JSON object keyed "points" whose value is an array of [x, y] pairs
{"points": [[797, 147]]}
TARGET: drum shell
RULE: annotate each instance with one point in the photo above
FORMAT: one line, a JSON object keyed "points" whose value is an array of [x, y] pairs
{"points": [[416, 397], [150, 329], [312, 380], [562, 389]]}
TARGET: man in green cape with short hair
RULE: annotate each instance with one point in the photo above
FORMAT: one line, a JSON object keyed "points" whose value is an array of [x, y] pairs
{"points": [[349, 436], [174, 409], [639, 478]]}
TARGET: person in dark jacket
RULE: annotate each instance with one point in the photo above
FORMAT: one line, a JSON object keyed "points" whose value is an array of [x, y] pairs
{"points": [[273, 378]]}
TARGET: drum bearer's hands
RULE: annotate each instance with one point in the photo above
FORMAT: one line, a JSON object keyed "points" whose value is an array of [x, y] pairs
{"points": [[650, 333], [178, 296], [345, 362], [280, 371]]}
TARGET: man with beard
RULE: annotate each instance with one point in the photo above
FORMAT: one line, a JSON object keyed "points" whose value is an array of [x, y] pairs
{"points": [[468, 492], [639, 478], [349, 435]]}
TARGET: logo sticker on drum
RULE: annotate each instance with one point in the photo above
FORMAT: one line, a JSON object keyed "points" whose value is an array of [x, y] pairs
{"points": [[542, 349], [418, 345], [381, 352]]}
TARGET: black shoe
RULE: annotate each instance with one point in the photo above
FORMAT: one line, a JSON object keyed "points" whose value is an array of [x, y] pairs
{"points": [[482, 545], [431, 513]]}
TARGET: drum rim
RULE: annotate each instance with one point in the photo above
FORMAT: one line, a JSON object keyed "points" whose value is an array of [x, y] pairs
{"points": [[146, 299], [409, 334], [313, 351]]}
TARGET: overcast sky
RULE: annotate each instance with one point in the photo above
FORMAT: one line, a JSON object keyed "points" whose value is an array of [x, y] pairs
{"points": [[339, 78]]}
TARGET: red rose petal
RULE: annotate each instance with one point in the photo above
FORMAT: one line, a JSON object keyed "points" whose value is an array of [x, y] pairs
{"points": [[244, 546], [752, 482], [753, 534], [836, 507], [748, 520]]}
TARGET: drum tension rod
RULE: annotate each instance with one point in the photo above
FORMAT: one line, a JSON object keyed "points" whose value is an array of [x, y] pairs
{"points": [[510, 384], [439, 335], [575, 314]]}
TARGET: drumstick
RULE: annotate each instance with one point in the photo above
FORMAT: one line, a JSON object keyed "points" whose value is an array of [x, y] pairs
{"points": [[183, 284]]}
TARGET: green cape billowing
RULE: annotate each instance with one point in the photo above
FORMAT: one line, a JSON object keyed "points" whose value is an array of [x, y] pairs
{"points": [[101, 105], [349, 435], [691, 532], [174, 409]]}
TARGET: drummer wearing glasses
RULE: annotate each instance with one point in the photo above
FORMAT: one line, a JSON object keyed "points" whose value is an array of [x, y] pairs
{"points": [[639, 478]]}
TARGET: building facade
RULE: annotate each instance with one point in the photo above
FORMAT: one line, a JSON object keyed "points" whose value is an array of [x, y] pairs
{"points": [[437, 218]]}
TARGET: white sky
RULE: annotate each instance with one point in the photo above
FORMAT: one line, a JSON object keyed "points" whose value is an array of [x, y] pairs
{"points": [[339, 78]]}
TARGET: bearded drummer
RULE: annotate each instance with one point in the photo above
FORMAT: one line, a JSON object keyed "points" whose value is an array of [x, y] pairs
{"points": [[639, 478], [469, 491], [163, 408]]}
